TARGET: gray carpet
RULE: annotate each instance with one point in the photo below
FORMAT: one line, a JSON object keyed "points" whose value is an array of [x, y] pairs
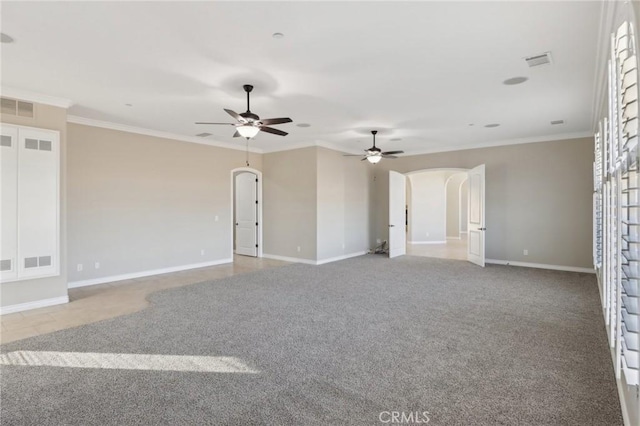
{"points": [[339, 344]]}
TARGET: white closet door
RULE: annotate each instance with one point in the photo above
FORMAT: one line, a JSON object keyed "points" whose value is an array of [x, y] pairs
{"points": [[8, 202], [246, 214], [38, 206]]}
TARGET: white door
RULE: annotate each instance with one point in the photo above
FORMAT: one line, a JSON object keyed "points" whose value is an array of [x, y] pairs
{"points": [[397, 206], [475, 216], [246, 214]]}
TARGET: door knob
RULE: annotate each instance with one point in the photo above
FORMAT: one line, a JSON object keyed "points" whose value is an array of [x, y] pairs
{"points": [[482, 229], [391, 226]]}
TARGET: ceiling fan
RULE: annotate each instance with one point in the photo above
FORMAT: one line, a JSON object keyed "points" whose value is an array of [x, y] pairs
{"points": [[249, 124], [374, 154]]}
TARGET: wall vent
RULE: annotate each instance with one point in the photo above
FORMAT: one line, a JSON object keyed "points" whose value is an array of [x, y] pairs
{"points": [[5, 265], [15, 107], [537, 60], [557, 122], [30, 262], [5, 140], [203, 135], [31, 143]]}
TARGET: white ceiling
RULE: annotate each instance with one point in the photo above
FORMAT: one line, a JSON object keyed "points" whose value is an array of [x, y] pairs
{"points": [[420, 71]]}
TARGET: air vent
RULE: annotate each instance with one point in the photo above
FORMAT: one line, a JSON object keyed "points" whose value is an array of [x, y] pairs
{"points": [[534, 61], [557, 122], [44, 261], [5, 265], [30, 262], [31, 143], [15, 107], [203, 135], [45, 145], [5, 140]]}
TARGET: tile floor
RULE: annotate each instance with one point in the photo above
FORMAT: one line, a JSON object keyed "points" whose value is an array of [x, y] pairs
{"points": [[452, 249], [109, 300]]}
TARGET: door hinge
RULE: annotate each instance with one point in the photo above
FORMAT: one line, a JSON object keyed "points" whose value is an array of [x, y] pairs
{"points": [[256, 223], [256, 246], [256, 180], [256, 201]]}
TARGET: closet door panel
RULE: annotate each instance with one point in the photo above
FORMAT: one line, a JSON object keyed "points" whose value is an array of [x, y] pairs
{"points": [[38, 206], [8, 202]]}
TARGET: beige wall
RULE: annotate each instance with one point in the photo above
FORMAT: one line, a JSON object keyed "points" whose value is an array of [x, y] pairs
{"points": [[427, 211], [25, 291], [140, 203], [538, 197], [454, 185], [289, 207], [343, 204]]}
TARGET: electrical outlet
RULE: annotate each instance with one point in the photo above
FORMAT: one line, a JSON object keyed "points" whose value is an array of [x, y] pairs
{"points": [[525, 252], [97, 265], [427, 234], [343, 246], [79, 267], [202, 252], [298, 249], [216, 218]]}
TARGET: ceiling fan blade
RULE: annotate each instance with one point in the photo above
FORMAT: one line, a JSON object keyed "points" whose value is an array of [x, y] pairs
{"points": [[270, 121], [237, 134], [236, 115], [388, 156], [204, 122], [392, 152], [273, 131], [364, 159]]}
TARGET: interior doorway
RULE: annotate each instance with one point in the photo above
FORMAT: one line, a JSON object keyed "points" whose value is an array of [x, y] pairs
{"points": [[246, 189], [437, 209]]}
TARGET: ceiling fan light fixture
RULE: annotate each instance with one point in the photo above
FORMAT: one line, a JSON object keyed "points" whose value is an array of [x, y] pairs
{"points": [[373, 159], [247, 131]]}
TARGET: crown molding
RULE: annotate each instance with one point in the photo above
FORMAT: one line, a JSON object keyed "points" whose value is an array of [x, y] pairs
{"points": [[156, 133], [504, 142], [25, 95]]}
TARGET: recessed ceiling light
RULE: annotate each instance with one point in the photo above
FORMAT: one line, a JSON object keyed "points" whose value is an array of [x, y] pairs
{"points": [[277, 35], [128, 105], [303, 125], [203, 135], [471, 124], [491, 125], [515, 80], [6, 38], [557, 122], [395, 139]]}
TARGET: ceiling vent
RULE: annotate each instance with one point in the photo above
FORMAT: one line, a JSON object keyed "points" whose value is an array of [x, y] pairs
{"points": [[534, 61], [557, 122], [203, 135], [15, 107]]}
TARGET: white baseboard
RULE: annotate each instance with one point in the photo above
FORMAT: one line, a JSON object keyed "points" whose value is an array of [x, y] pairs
{"points": [[426, 242], [343, 257], [113, 278], [33, 305], [541, 266], [453, 238], [289, 259], [313, 262]]}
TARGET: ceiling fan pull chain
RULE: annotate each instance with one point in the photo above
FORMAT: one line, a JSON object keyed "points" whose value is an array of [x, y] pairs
{"points": [[247, 158]]}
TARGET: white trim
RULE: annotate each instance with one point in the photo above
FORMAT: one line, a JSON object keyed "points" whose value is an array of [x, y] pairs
{"points": [[10, 309], [156, 133], [453, 238], [113, 278], [314, 262], [25, 95], [343, 257], [541, 266], [505, 142], [288, 259], [426, 242]]}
